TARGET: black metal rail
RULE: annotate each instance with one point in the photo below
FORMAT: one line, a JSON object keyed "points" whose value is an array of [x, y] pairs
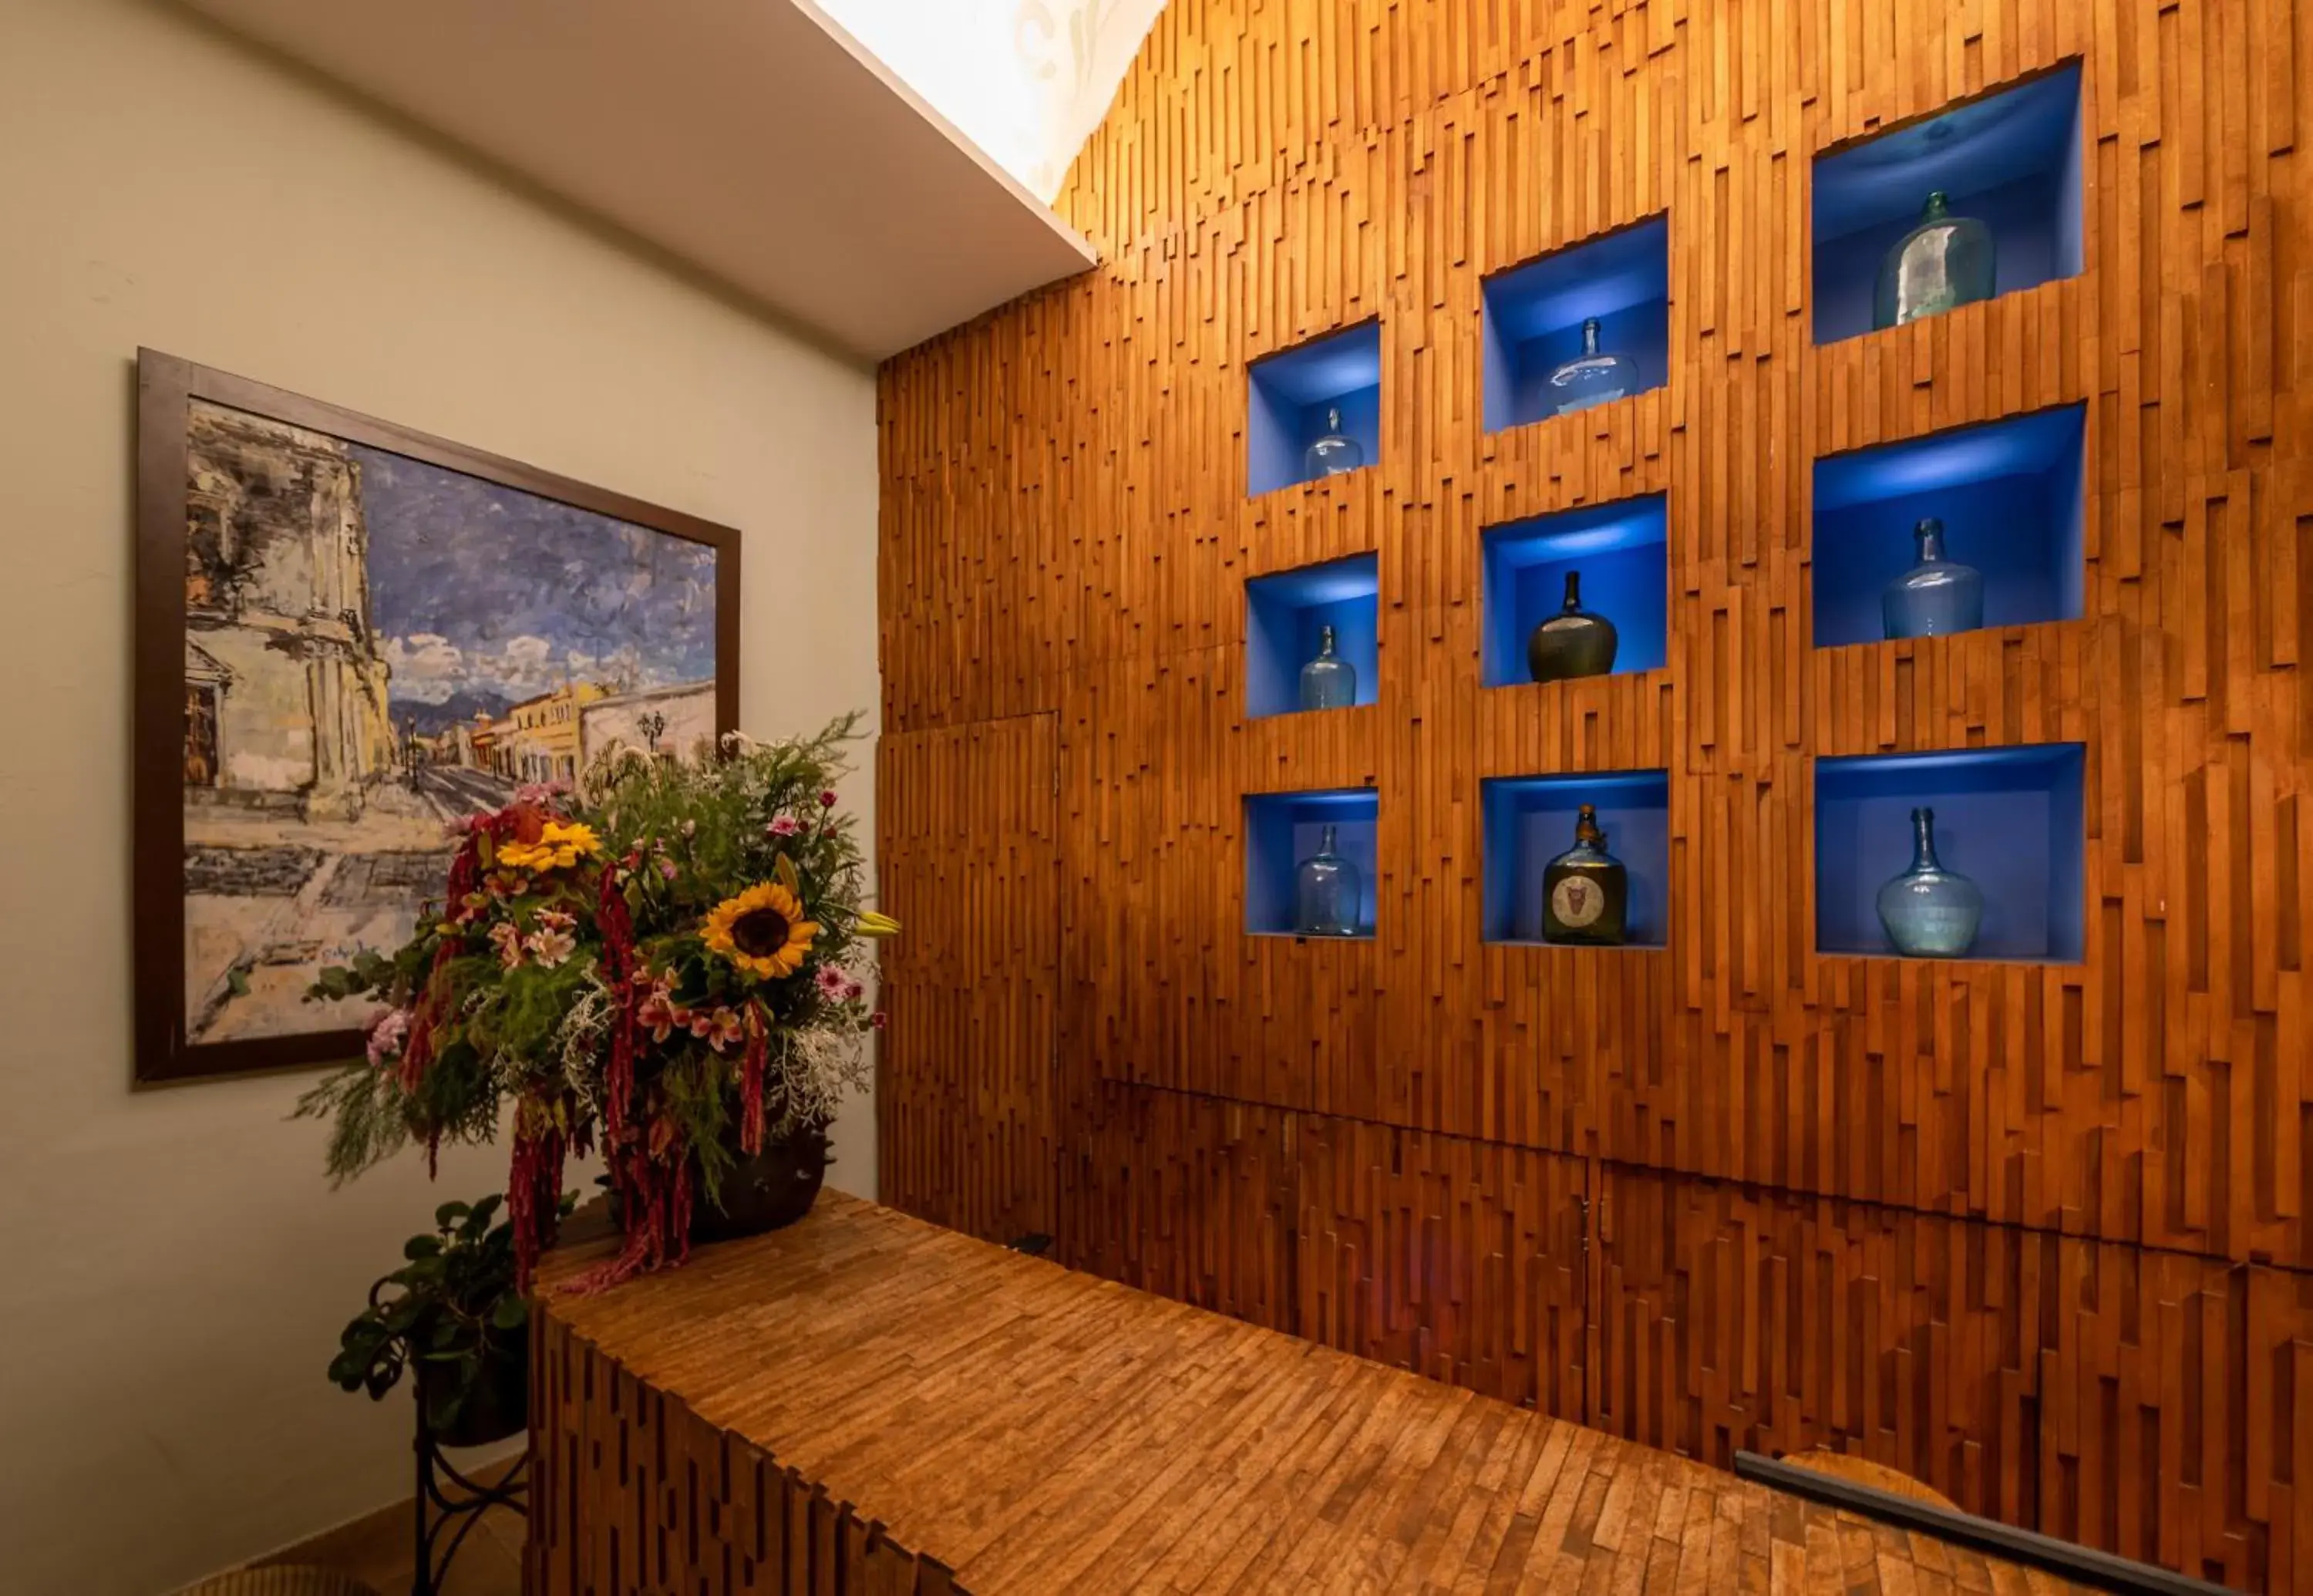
{"points": [[2079, 1563]]}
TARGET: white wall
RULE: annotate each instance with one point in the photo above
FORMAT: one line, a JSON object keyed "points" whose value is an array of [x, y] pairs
{"points": [[174, 1270]]}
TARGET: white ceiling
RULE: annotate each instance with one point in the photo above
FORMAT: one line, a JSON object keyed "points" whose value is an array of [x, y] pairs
{"points": [[752, 138], [1026, 80]]}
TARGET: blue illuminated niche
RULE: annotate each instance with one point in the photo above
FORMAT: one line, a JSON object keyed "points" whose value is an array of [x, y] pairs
{"points": [[1533, 316], [1281, 829], [1284, 614], [2012, 159], [2010, 819], [1292, 391], [2009, 493], [1529, 821], [1622, 550]]}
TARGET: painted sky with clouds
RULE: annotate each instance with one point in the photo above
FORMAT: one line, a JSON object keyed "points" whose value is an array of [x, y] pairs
{"points": [[476, 588]]}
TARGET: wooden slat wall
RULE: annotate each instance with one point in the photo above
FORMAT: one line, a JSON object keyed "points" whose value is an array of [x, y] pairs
{"points": [[2144, 1401], [965, 1134], [1066, 531]]}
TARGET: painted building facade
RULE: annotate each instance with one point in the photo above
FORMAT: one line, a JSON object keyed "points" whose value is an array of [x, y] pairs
{"points": [[671, 720], [284, 686]]}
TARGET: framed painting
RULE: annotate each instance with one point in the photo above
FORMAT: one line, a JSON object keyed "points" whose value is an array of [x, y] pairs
{"points": [[350, 636]]}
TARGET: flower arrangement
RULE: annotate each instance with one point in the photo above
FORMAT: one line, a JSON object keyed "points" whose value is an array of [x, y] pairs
{"points": [[664, 965]]}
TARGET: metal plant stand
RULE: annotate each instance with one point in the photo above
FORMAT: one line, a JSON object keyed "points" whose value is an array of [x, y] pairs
{"points": [[444, 1520]]}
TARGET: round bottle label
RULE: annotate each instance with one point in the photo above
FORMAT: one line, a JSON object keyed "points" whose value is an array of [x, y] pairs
{"points": [[1577, 902]]}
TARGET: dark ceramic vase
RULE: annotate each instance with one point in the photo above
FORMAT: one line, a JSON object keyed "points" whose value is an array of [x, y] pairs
{"points": [[768, 1192], [1574, 642]]}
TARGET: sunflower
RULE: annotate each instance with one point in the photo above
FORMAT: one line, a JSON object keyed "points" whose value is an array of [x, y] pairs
{"points": [[762, 931], [558, 847]]}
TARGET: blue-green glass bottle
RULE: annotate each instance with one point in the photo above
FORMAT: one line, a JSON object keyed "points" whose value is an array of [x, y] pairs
{"points": [[1943, 263], [1936, 596], [1928, 911]]}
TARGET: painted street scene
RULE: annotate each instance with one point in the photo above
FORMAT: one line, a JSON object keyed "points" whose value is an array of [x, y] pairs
{"points": [[376, 648]]}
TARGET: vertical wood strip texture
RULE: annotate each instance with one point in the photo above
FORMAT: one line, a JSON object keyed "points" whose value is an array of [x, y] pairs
{"points": [[2046, 1180]]}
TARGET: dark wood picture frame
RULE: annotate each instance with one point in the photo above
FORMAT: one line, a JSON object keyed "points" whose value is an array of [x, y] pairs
{"points": [[167, 387]]}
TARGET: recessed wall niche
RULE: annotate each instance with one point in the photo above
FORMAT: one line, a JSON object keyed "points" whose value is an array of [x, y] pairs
{"points": [[1293, 395], [2009, 819], [1285, 616], [1534, 315], [2011, 160], [1529, 821], [1620, 550], [1283, 829], [2009, 494]]}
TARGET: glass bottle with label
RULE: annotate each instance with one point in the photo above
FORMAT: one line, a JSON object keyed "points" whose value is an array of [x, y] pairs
{"points": [[1936, 596], [1943, 263], [1333, 452], [1591, 377], [1585, 893], [1328, 898], [1328, 681]]}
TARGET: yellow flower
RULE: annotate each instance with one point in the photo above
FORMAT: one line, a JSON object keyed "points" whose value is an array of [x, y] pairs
{"points": [[872, 924], [558, 847], [762, 931]]}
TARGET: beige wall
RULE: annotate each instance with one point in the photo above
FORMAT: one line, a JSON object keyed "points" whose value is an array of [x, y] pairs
{"points": [[172, 1269]]}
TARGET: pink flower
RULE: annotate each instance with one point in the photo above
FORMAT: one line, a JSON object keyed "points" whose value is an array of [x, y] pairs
{"points": [[506, 938], [386, 1030], [728, 1031], [785, 825], [658, 1014], [879, 1019], [853, 991], [831, 981], [702, 1023], [552, 945], [666, 868], [826, 799]]}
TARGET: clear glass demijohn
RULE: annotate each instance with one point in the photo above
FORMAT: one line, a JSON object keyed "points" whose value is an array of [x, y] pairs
{"points": [[1328, 897], [1334, 452], [1591, 377], [1328, 681], [1936, 596]]}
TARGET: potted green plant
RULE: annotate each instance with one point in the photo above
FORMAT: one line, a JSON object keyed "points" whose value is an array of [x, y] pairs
{"points": [[451, 1317]]}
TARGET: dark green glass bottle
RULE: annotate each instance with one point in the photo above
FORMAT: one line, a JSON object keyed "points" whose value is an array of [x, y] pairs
{"points": [[1585, 893]]}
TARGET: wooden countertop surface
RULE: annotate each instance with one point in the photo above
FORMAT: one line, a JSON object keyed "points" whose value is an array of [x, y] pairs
{"points": [[1041, 1431]]}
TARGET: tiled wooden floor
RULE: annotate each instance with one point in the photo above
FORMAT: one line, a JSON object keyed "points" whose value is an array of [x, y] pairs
{"points": [[377, 1550]]}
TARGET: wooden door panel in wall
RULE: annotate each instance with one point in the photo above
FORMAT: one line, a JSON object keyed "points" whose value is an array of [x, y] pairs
{"points": [[1461, 1260], [966, 852], [2142, 1402]]}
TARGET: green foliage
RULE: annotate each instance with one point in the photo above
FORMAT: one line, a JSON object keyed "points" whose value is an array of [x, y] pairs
{"points": [[452, 1304]]}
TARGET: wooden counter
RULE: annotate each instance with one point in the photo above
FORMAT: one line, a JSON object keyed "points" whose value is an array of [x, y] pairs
{"points": [[866, 1403]]}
